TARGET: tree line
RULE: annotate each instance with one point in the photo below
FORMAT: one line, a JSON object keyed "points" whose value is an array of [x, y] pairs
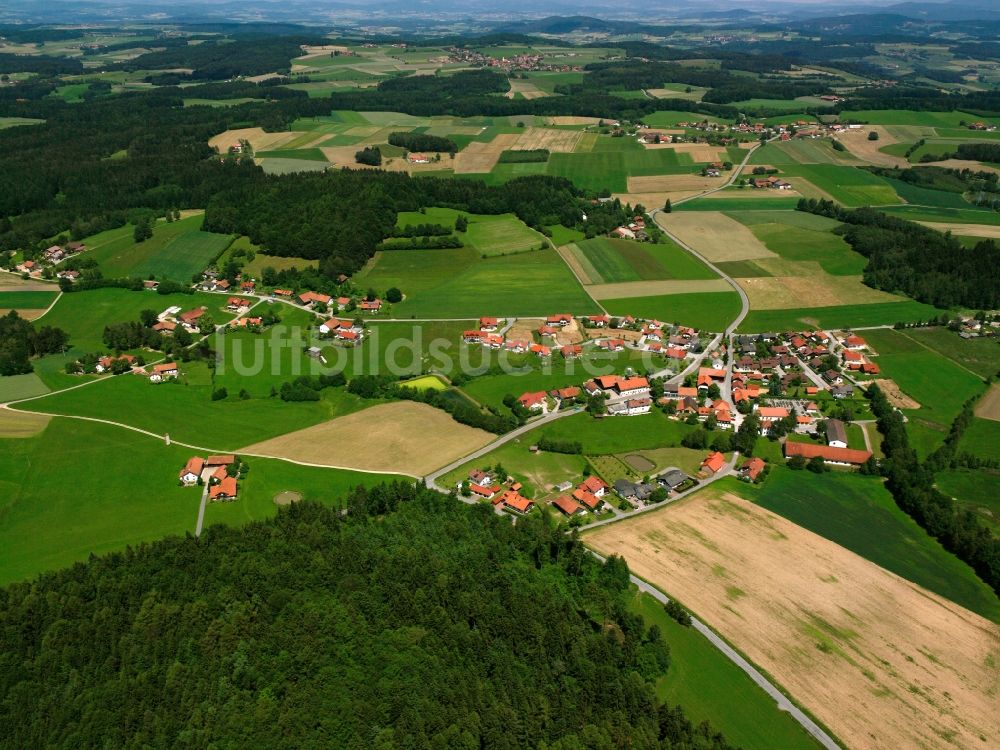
{"points": [[908, 258], [19, 342], [422, 142]]}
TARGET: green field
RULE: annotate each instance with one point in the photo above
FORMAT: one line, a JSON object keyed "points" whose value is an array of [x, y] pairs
{"points": [[848, 185], [114, 488], [708, 311], [800, 151], [859, 514], [982, 356], [982, 438], [711, 688], [14, 387], [185, 255], [609, 260], [975, 490], [796, 243], [839, 316], [937, 383], [755, 200], [13, 122], [618, 434], [185, 410], [943, 214], [460, 283], [596, 170], [29, 300], [175, 251], [911, 117]]}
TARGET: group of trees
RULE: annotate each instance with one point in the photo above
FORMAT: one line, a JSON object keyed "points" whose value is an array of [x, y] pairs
{"points": [[422, 142], [217, 59], [370, 156], [19, 342], [411, 621], [912, 485], [906, 257]]}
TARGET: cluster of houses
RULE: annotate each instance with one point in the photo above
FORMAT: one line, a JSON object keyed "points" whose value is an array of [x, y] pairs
{"points": [[525, 61], [53, 256], [606, 333], [770, 182], [212, 282], [212, 471], [634, 230], [969, 327], [626, 395], [344, 331], [312, 300], [505, 495]]}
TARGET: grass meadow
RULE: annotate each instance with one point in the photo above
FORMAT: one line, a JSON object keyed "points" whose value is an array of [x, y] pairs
{"points": [[711, 688], [708, 311], [975, 490], [838, 316], [460, 283], [116, 488], [859, 514], [796, 243], [28, 300], [614, 260], [982, 438]]}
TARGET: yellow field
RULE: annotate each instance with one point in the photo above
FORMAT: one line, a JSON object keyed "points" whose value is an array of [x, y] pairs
{"points": [[573, 120], [477, 157], [525, 88], [701, 152], [403, 437], [654, 288], [968, 230], [558, 141], [343, 156], [976, 166], [858, 144], [895, 395], [989, 405], [15, 424], [673, 182], [715, 235], [881, 661], [260, 140], [817, 289]]}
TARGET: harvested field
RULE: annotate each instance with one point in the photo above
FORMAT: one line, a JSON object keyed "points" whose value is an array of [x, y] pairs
{"points": [[976, 166], [10, 282], [818, 290], [805, 188], [585, 276], [478, 157], [525, 88], [571, 333], [403, 437], [881, 661], [620, 333], [654, 288], [651, 200], [559, 141], [673, 182], [714, 235], [699, 152], [987, 408], [260, 140], [858, 144], [895, 396], [968, 230], [26, 314], [16, 424], [573, 120]]}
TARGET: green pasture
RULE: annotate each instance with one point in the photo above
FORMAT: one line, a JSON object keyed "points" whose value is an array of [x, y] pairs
{"points": [[859, 513], [460, 283], [708, 311], [14, 387], [711, 688], [911, 117], [754, 200], [184, 409], [974, 490], [670, 118], [13, 122], [564, 235], [185, 255], [937, 383], [941, 214], [915, 194], [800, 151], [618, 434], [848, 185], [116, 488], [596, 170], [982, 356], [982, 438], [794, 243], [27, 300], [614, 260], [838, 316], [500, 235]]}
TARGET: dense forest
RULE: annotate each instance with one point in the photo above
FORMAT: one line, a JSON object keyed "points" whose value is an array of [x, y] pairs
{"points": [[350, 212], [412, 622], [218, 60], [912, 259], [20, 341]]}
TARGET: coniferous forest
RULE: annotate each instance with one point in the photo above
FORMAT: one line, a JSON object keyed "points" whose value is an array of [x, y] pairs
{"points": [[439, 625]]}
